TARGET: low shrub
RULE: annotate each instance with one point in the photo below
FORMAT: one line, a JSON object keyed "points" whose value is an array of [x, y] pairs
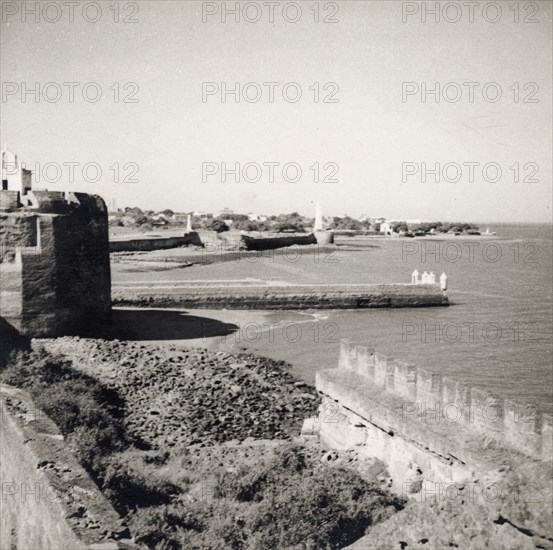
{"points": [[70, 398], [128, 490], [288, 502], [90, 416]]}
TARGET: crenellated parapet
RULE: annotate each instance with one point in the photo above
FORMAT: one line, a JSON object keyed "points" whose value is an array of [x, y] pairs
{"points": [[424, 426], [446, 446], [432, 399], [50, 202]]}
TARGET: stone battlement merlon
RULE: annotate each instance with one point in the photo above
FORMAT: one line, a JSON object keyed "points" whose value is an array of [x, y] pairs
{"points": [[437, 398], [54, 202]]}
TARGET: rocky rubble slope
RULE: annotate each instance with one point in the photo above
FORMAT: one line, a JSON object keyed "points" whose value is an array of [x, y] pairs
{"points": [[178, 397], [459, 524]]}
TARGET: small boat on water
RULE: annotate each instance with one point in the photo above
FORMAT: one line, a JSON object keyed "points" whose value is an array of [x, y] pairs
{"points": [[488, 232]]}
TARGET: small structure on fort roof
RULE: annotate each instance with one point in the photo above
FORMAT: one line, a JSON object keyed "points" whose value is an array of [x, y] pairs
{"points": [[54, 257], [15, 178]]}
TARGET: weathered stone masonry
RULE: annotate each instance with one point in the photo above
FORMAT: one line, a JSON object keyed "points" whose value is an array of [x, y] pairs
{"points": [[54, 262], [477, 469], [47, 500], [408, 416]]}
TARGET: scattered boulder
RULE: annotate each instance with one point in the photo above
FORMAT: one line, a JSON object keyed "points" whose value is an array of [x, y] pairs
{"points": [[194, 397]]}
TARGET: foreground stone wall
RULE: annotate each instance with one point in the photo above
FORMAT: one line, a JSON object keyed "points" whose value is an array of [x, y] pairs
{"points": [[48, 501], [54, 264]]}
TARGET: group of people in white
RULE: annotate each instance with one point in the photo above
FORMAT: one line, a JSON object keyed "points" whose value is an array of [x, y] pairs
{"points": [[428, 279]]}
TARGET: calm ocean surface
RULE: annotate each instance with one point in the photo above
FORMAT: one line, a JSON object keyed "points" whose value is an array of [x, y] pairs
{"points": [[496, 335]]}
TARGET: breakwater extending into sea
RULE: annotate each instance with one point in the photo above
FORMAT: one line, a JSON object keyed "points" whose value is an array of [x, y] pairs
{"points": [[294, 297]]}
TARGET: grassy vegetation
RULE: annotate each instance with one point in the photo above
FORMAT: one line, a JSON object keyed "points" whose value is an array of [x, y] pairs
{"points": [[91, 417], [287, 500]]}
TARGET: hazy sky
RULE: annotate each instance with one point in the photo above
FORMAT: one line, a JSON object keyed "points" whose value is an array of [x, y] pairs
{"points": [[367, 133]]}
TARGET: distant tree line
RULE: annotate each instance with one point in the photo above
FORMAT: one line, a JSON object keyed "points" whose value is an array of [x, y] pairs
{"points": [[438, 227], [282, 223]]}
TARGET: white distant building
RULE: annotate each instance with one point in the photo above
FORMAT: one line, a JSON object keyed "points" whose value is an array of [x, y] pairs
{"points": [[256, 217], [387, 227], [161, 218]]}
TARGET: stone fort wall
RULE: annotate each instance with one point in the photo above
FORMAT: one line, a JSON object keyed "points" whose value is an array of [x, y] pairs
{"points": [[54, 262], [213, 242], [47, 500], [414, 419]]}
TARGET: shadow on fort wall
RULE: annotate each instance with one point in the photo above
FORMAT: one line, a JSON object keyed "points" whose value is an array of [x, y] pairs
{"points": [[10, 340], [155, 324]]}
